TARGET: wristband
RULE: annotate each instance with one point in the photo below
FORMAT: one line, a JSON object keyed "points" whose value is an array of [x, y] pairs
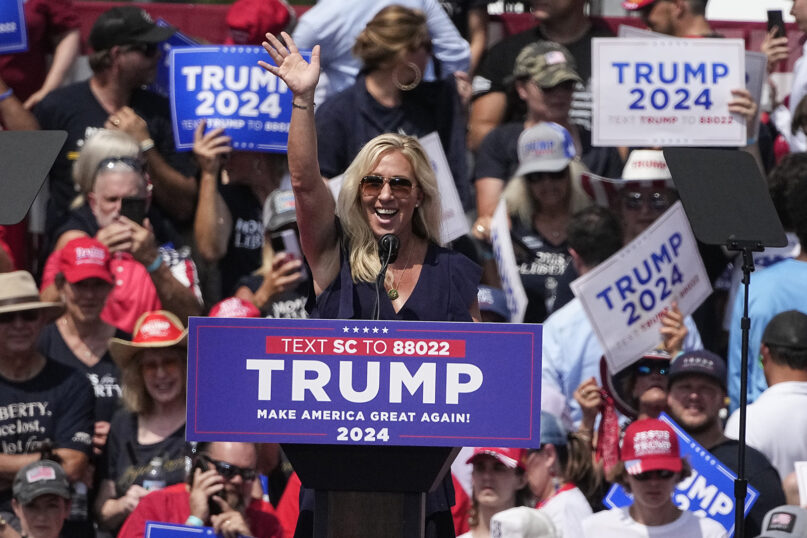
{"points": [[153, 266], [6, 94], [146, 145], [751, 141], [194, 521], [302, 107]]}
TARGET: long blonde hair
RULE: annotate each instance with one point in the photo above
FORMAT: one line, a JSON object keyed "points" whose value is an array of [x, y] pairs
{"points": [[522, 205], [391, 33], [364, 262]]}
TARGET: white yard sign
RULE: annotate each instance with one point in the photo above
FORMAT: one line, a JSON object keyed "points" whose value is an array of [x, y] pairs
{"points": [[675, 92], [625, 296], [506, 263]]}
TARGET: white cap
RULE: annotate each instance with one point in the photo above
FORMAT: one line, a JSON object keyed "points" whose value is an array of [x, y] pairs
{"points": [[546, 147], [646, 165], [522, 522]]}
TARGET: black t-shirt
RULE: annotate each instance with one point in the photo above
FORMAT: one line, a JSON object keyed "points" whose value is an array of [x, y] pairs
{"points": [[496, 71], [761, 475], [352, 117], [104, 375], [540, 264], [245, 244], [75, 109], [127, 460], [457, 11], [55, 407], [289, 304]]}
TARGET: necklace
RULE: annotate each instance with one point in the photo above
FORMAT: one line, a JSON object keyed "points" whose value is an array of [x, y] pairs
{"points": [[393, 291]]}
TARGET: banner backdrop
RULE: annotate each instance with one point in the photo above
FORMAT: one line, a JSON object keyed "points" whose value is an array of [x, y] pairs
{"points": [[626, 295], [364, 382], [225, 86], [13, 33], [709, 491], [675, 93]]}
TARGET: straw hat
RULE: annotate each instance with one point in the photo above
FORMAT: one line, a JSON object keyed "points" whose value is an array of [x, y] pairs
{"points": [[157, 329], [18, 292]]}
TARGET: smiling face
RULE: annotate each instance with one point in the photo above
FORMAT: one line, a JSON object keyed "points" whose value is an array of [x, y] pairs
{"points": [[43, 517], [389, 212], [163, 371], [494, 484], [695, 402]]}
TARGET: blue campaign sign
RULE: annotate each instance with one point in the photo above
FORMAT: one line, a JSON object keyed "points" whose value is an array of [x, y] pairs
{"points": [[709, 491], [162, 82], [13, 33], [364, 382], [225, 86], [170, 530]]}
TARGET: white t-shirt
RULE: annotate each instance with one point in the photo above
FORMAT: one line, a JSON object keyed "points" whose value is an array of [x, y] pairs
{"points": [[567, 510], [617, 523]]}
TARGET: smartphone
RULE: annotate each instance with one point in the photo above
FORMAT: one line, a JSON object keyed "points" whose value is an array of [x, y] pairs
{"points": [[133, 209], [775, 20], [286, 241], [212, 506]]}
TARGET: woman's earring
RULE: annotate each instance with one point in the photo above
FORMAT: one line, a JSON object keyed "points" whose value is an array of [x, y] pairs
{"points": [[418, 76]]}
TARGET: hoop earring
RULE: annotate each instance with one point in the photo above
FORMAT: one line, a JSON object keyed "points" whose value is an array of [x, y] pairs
{"points": [[412, 85]]}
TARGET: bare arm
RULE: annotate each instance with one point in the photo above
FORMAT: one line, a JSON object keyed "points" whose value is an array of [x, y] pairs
{"points": [[13, 115], [174, 191], [477, 35], [213, 222], [315, 205], [488, 192], [487, 111], [64, 55], [111, 511]]}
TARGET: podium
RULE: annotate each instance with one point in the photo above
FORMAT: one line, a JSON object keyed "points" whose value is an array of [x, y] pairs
{"points": [[368, 412]]}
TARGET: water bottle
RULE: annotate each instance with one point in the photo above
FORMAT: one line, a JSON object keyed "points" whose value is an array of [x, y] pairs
{"points": [[155, 475]]}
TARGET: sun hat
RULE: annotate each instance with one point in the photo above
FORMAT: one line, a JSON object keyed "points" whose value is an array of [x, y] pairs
{"points": [[40, 478], [83, 258], [156, 329], [18, 292]]}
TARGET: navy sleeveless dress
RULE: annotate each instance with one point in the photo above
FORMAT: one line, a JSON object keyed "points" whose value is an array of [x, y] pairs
{"points": [[445, 291]]}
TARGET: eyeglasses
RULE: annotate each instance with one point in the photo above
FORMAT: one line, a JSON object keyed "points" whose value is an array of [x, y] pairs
{"points": [[25, 315], [111, 163], [400, 187], [146, 49], [647, 368], [228, 470], [535, 177], [661, 474], [656, 201]]}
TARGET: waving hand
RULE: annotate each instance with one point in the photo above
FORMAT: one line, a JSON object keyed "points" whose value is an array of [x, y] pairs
{"points": [[300, 76]]}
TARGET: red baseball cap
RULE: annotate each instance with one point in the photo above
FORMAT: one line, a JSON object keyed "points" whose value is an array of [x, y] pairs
{"points": [[83, 258], [251, 20], [650, 445], [633, 5], [510, 457], [234, 307]]}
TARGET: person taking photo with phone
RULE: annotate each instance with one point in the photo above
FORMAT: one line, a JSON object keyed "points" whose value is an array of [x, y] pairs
{"points": [[217, 494]]}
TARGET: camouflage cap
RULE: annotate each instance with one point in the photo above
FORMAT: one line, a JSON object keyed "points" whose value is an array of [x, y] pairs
{"points": [[546, 63]]}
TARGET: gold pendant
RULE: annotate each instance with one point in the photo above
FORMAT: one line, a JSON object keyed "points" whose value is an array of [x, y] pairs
{"points": [[392, 294]]}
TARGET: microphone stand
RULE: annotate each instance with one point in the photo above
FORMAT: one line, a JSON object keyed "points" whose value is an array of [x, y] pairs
{"points": [[387, 252]]}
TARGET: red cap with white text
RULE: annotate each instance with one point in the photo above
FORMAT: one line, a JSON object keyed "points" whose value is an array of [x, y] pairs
{"points": [[234, 307], [633, 5], [83, 258], [509, 457], [650, 445]]}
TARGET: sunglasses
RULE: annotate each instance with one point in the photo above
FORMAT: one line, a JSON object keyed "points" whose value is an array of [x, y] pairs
{"points": [[661, 474], [112, 162], [400, 187], [169, 365], [535, 177], [25, 315], [228, 470], [656, 201], [647, 368], [146, 49]]}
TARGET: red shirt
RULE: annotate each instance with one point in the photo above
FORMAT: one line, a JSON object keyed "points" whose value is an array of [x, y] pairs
{"points": [[171, 505]]}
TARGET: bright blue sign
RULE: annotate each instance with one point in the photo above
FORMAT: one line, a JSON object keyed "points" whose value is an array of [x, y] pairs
{"points": [[13, 34], [225, 86], [364, 382], [709, 491], [170, 530], [162, 82]]}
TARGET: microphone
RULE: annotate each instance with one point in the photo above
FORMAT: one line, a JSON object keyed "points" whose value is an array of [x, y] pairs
{"points": [[387, 252], [388, 249]]}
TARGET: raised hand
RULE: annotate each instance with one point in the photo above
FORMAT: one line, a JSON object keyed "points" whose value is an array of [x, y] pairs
{"points": [[210, 147], [300, 76]]}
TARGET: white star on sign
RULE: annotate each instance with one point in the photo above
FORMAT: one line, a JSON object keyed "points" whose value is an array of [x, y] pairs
{"points": [[375, 330], [366, 330], [355, 329], [345, 329], [385, 330]]}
